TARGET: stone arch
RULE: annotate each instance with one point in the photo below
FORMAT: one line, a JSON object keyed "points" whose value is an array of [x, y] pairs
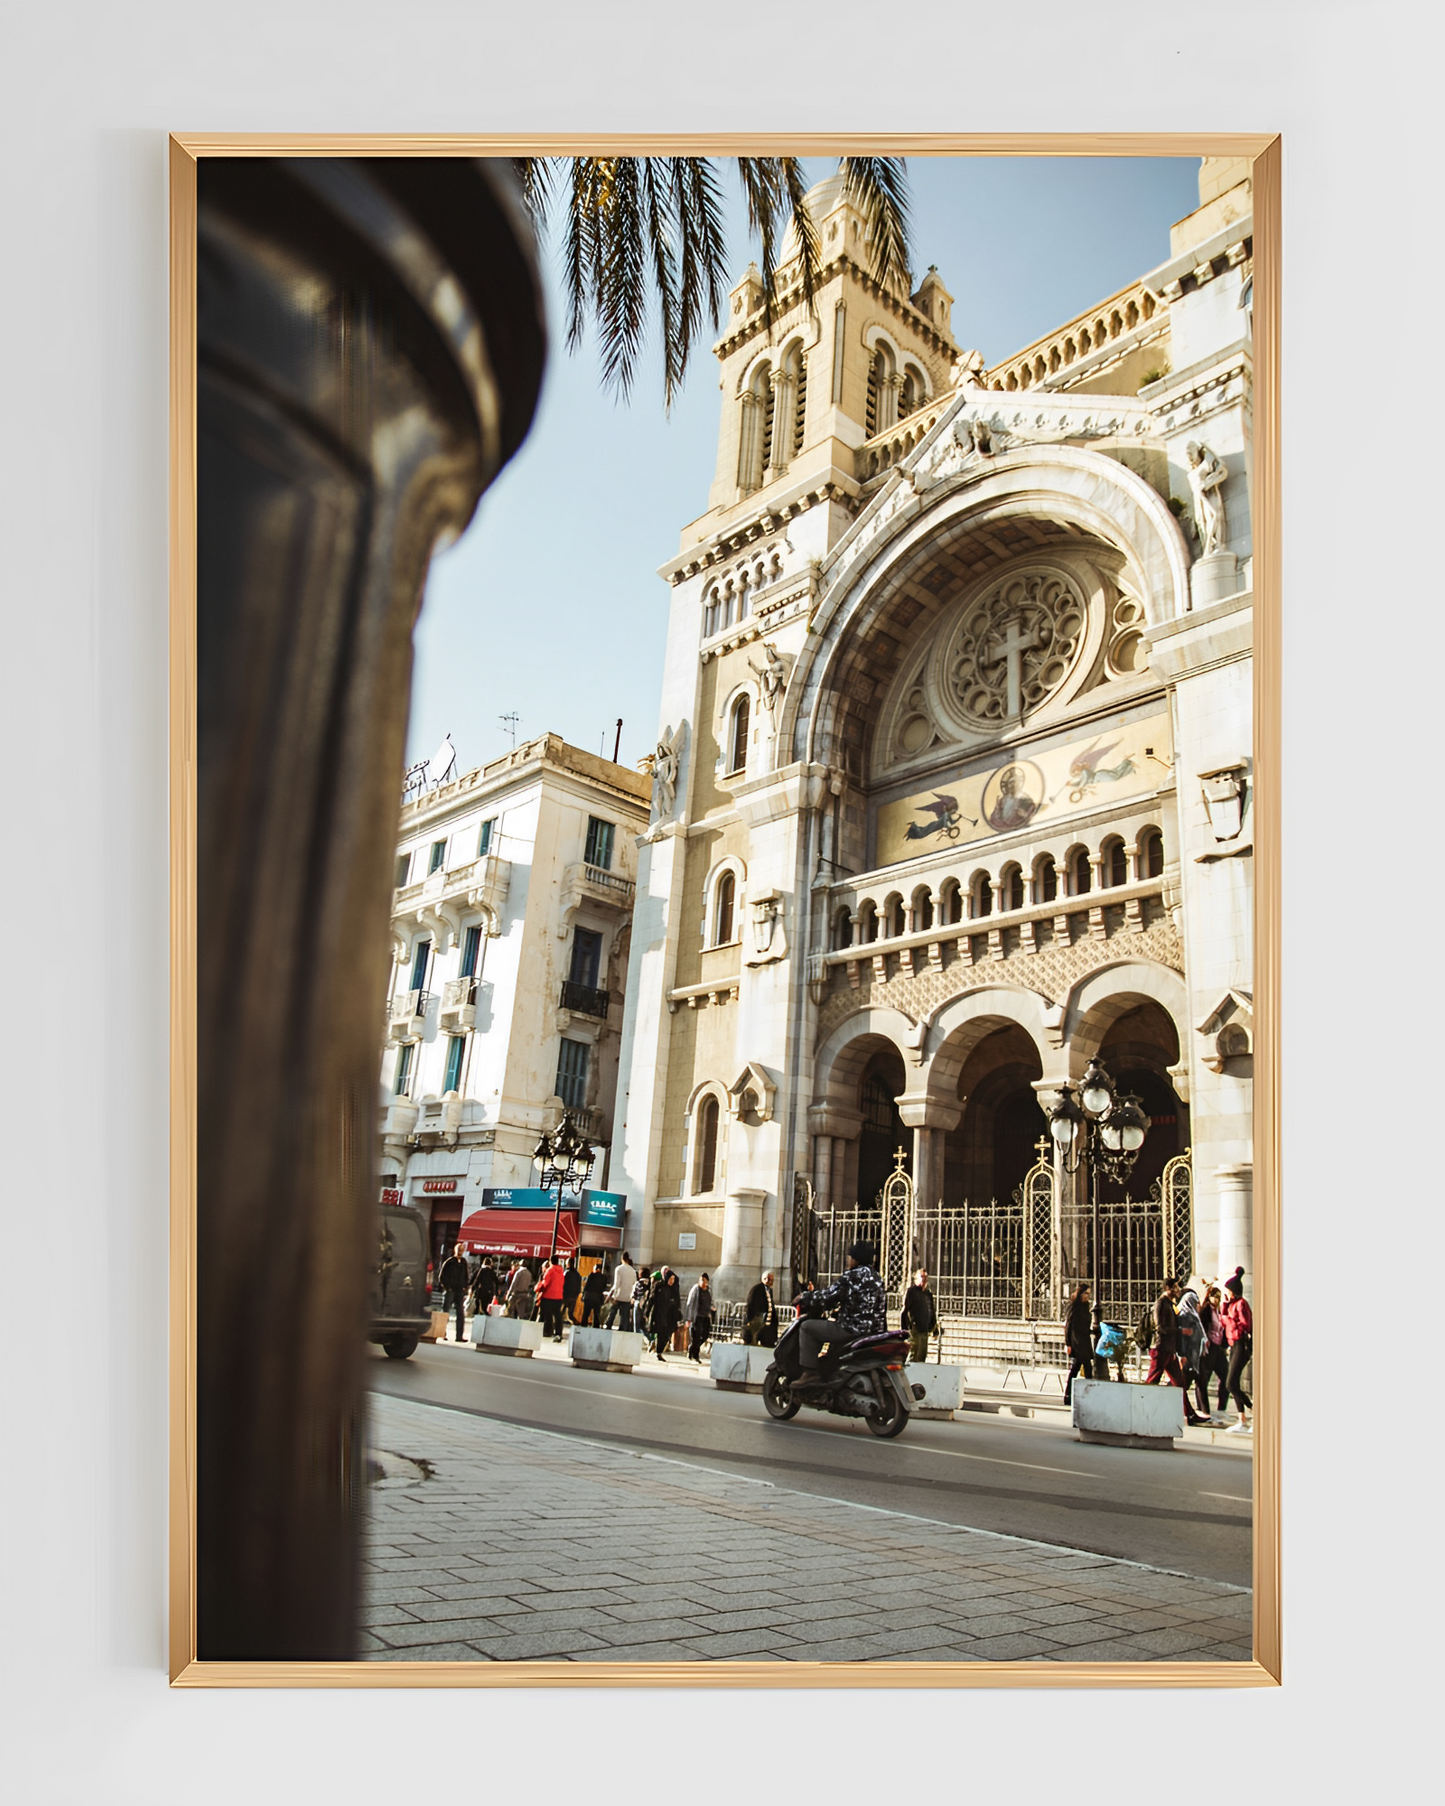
{"points": [[1074, 490], [1099, 1000], [959, 1026], [845, 1055]]}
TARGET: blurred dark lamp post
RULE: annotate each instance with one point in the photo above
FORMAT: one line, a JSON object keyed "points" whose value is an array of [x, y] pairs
{"points": [[566, 1160], [1108, 1131]]}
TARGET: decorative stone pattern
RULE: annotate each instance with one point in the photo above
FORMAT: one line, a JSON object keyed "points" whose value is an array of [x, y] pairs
{"points": [[1053, 971]]}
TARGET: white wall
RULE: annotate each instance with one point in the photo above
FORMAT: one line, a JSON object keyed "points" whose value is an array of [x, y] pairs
{"points": [[90, 90]]}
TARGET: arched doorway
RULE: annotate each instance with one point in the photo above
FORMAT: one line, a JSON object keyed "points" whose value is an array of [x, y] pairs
{"points": [[882, 1133], [987, 1155]]}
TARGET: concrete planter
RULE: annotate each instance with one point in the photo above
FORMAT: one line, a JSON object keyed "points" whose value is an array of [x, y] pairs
{"points": [[609, 1350], [736, 1367], [506, 1335], [1135, 1417], [943, 1389]]}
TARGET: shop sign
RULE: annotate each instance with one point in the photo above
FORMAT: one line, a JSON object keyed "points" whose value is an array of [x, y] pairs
{"points": [[388, 1196], [604, 1209], [430, 1185], [518, 1197]]}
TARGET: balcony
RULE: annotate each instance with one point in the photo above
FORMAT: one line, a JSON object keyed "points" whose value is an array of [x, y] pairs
{"points": [[458, 1011], [593, 1127], [601, 886], [405, 1015], [585, 1000], [438, 901]]}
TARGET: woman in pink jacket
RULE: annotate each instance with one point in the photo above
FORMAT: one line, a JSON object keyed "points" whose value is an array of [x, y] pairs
{"points": [[1239, 1338]]}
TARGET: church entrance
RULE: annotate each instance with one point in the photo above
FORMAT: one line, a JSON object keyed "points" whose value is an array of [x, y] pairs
{"points": [[882, 1133], [988, 1154]]}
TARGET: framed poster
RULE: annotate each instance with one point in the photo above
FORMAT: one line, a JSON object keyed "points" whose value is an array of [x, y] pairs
{"points": [[907, 1008]]}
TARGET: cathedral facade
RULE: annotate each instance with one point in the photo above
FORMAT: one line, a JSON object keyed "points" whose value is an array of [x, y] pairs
{"points": [[953, 786]]}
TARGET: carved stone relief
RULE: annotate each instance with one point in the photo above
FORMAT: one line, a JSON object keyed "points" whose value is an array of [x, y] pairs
{"points": [[1015, 646]]}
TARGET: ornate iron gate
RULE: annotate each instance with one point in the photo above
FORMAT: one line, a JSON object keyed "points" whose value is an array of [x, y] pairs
{"points": [[1141, 1240]]}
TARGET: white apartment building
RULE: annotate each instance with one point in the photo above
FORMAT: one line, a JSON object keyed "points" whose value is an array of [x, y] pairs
{"points": [[510, 929]]}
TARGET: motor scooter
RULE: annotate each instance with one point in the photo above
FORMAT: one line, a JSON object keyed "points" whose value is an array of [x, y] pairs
{"points": [[863, 1378]]}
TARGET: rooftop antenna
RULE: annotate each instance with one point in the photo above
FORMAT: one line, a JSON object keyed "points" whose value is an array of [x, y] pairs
{"points": [[618, 741], [510, 723]]}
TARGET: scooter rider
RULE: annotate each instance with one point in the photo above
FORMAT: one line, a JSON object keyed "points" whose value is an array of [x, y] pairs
{"points": [[863, 1310]]}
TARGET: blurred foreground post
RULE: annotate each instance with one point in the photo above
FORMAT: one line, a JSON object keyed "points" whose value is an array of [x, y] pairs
{"points": [[370, 353]]}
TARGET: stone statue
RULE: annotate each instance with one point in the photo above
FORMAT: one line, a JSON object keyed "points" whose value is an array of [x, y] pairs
{"points": [[1207, 475], [664, 774], [770, 676]]}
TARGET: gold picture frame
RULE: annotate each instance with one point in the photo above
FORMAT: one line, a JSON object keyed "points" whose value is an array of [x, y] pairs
{"points": [[186, 150]]}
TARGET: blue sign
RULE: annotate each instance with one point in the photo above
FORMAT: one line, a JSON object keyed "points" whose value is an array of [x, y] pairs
{"points": [[519, 1197], [603, 1209]]}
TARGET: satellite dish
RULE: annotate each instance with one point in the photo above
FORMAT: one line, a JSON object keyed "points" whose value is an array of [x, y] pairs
{"points": [[442, 763]]}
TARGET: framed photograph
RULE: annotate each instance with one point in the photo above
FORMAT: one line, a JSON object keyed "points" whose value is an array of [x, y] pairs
{"points": [[725, 1086]]}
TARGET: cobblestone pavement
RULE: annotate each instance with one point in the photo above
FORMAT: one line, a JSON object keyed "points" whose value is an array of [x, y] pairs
{"points": [[489, 1542]]}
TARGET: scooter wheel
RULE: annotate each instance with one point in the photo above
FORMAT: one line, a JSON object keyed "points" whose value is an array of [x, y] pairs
{"points": [[778, 1398], [889, 1418]]}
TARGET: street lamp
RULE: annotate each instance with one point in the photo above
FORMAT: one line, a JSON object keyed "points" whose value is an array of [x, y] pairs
{"points": [[566, 1160], [1102, 1128]]}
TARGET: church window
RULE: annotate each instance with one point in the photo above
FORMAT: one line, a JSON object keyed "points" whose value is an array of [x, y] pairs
{"points": [[868, 922], [842, 929], [705, 1171], [800, 402], [738, 752], [1151, 853], [1011, 888], [1081, 877], [910, 396], [1115, 863], [723, 909], [755, 429], [922, 911], [1046, 880], [950, 901], [896, 923], [882, 395], [980, 895], [712, 613]]}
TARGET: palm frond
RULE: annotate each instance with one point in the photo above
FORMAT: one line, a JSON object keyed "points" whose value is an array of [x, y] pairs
{"points": [[878, 188], [536, 177]]}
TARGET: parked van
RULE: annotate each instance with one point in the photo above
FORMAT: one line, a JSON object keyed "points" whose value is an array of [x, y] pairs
{"points": [[400, 1313]]}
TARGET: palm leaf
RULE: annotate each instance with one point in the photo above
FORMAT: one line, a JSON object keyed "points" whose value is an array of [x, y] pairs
{"points": [[648, 231]]}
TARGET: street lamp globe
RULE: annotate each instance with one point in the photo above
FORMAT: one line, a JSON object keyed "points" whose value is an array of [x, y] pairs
{"points": [[1131, 1124], [1097, 1091], [1065, 1120]]}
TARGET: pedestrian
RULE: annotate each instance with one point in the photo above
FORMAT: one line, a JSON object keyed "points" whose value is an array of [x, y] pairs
{"points": [[549, 1297], [484, 1287], [642, 1306], [1164, 1359], [594, 1289], [1079, 1338], [1215, 1364], [760, 1318], [455, 1279], [571, 1290], [1239, 1338], [1191, 1336], [698, 1317], [519, 1291], [919, 1318], [666, 1309], [620, 1294]]}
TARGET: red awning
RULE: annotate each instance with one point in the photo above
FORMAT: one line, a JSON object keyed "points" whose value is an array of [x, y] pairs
{"points": [[518, 1232]]}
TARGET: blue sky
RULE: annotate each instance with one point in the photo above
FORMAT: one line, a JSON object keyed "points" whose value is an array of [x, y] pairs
{"points": [[549, 605]]}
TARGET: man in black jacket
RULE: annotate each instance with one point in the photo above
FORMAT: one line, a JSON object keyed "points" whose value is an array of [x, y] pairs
{"points": [[1164, 1360], [761, 1324], [454, 1279], [919, 1317], [571, 1287], [594, 1290]]}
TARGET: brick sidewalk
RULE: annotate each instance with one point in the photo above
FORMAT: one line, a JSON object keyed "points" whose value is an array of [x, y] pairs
{"points": [[490, 1542]]}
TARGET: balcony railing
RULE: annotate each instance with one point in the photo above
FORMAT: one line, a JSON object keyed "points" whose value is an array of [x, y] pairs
{"points": [[621, 888], [585, 1000], [458, 1007], [404, 1011]]}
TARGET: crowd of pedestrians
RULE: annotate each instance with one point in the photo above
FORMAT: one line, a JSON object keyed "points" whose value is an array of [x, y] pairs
{"points": [[1195, 1333]]}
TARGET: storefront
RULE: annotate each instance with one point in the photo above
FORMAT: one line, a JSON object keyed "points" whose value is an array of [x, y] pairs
{"points": [[519, 1220], [440, 1201]]}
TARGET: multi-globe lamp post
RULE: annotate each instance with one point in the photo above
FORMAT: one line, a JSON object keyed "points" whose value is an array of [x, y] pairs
{"points": [[1104, 1129], [566, 1160]]}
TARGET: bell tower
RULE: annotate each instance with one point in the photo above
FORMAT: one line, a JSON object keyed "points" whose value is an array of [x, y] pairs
{"points": [[801, 397]]}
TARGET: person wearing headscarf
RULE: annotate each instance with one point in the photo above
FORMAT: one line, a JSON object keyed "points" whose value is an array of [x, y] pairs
{"points": [[666, 1310]]}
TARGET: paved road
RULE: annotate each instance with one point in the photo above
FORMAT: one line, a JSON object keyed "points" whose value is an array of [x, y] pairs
{"points": [[1188, 1510]]}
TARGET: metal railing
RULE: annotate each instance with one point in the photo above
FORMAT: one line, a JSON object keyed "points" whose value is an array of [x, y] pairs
{"points": [[611, 881], [586, 1000]]}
